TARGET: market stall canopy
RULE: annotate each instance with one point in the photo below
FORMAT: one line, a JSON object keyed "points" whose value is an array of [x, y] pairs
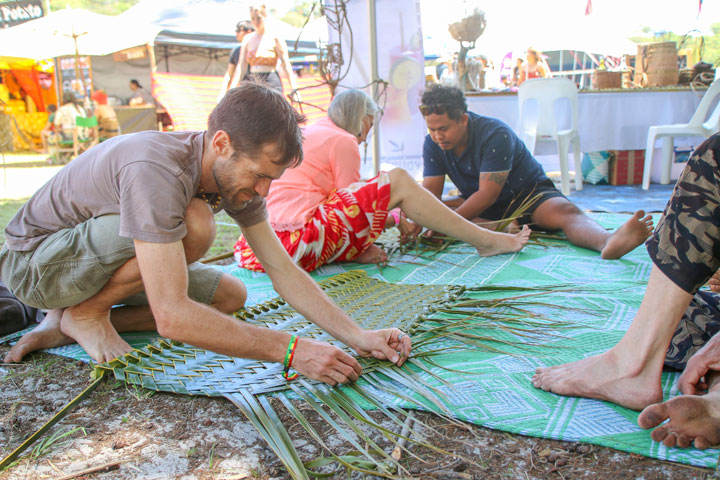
{"points": [[209, 23], [60, 33]]}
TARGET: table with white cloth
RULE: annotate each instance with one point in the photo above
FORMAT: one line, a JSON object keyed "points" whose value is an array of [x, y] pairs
{"points": [[607, 120]]}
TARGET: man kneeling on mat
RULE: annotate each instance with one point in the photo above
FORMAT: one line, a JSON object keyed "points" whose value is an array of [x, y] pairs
{"points": [[135, 213]]}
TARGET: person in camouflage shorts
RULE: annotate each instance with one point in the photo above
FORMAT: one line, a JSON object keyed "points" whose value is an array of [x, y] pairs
{"points": [[685, 250], [686, 247]]}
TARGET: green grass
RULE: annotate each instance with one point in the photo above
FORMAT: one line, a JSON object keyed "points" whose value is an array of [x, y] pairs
{"points": [[225, 238], [8, 209]]}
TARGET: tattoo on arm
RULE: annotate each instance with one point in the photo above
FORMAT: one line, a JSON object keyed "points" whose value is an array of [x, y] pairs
{"points": [[495, 177]]}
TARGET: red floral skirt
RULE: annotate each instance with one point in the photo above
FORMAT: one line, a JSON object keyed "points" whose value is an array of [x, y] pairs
{"points": [[342, 228]]}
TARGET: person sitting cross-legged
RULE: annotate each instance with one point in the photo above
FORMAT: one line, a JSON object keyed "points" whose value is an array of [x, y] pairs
{"points": [[676, 325], [496, 174], [323, 213]]}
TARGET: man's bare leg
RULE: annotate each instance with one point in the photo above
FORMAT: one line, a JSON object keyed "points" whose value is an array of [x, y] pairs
{"points": [[229, 297], [424, 208], [89, 322], [629, 373], [48, 334], [560, 214]]}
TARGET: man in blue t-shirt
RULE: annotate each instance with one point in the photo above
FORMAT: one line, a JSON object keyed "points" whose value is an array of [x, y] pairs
{"points": [[497, 175]]}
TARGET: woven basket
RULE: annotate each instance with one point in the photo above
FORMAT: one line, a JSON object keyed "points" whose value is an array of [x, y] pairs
{"points": [[656, 64], [606, 79]]}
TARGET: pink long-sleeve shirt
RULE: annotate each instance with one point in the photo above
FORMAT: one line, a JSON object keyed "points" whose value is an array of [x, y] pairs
{"points": [[331, 161]]}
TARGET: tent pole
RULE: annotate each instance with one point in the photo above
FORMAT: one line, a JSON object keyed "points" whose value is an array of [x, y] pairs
{"points": [[373, 77], [151, 56]]}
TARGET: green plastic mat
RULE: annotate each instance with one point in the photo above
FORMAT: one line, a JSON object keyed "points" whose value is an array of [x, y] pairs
{"points": [[497, 392]]}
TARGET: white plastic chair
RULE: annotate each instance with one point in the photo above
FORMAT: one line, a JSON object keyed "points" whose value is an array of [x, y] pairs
{"points": [[545, 122], [697, 126]]}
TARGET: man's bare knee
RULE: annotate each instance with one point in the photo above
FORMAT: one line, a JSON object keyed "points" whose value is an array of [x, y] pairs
{"points": [[200, 223], [230, 295]]}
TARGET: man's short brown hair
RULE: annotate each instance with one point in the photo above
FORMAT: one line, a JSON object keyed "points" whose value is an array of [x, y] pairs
{"points": [[254, 115]]}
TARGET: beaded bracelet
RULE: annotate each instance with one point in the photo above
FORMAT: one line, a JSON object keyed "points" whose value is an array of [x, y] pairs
{"points": [[289, 354]]}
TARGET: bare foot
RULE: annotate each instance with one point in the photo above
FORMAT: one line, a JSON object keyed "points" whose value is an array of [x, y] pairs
{"points": [[631, 234], [95, 333], [46, 335], [513, 227], [373, 254], [497, 243], [604, 377], [692, 418]]}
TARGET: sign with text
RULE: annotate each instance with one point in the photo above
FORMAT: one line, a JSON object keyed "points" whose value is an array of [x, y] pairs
{"points": [[16, 12], [76, 77], [400, 60], [128, 54]]}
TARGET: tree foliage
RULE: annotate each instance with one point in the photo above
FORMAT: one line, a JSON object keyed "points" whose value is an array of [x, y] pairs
{"points": [[105, 7], [708, 45]]}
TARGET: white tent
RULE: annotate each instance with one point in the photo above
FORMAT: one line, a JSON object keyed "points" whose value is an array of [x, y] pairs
{"points": [[70, 31]]}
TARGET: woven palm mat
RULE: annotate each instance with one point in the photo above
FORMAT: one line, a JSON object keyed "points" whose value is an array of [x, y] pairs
{"points": [[496, 392]]}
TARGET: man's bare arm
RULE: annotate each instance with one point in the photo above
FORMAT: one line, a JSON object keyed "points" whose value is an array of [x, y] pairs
{"points": [[434, 185], [164, 274], [300, 291], [489, 187]]}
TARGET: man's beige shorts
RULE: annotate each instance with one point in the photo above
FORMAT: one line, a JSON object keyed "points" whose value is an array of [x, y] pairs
{"points": [[74, 264]]}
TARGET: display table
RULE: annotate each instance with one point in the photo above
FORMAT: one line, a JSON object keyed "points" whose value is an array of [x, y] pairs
{"points": [[136, 119], [607, 120]]}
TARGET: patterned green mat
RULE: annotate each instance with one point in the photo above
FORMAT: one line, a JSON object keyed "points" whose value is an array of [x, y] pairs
{"points": [[496, 392]]}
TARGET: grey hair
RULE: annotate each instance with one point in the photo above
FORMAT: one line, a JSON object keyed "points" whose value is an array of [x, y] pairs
{"points": [[348, 109]]}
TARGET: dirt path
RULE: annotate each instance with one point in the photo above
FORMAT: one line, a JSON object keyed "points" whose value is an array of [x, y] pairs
{"points": [[163, 436]]}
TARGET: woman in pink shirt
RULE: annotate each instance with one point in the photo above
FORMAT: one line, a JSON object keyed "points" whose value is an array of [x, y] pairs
{"points": [[322, 212]]}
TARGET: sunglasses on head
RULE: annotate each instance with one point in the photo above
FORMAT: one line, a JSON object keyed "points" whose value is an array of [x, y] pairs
{"points": [[438, 109]]}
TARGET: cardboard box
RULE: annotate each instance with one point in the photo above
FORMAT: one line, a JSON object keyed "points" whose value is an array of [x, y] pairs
{"points": [[626, 167]]}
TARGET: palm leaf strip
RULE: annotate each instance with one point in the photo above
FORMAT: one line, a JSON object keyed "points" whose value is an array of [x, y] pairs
{"points": [[173, 367]]}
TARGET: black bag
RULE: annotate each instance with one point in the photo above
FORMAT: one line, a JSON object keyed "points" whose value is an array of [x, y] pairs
{"points": [[15, 315]]}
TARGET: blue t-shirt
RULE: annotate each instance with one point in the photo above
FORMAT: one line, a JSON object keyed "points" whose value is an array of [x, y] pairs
{"points": [[492, 147]]}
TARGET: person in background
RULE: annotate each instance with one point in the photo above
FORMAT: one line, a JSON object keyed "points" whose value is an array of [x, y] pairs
{"points": [[66, 115], [535, 67], [49, 128], [241, 30], [516, 72], [140, 97], [263, 51], [107, 119]]}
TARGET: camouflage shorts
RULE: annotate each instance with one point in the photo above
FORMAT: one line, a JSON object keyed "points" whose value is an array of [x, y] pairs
{"points": [[699, 323], [686, 243]]}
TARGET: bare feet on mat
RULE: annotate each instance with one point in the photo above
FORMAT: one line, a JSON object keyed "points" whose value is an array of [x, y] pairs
{"points": [[373, 254], [603, 377], [498, 243], [631, 234], [46, 335], [94, 332], [692, 419]]}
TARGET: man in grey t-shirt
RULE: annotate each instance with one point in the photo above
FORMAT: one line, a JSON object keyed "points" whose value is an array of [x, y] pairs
{"points": [[135, 213]]}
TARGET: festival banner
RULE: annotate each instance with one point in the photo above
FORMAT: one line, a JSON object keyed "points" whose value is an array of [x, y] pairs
{"points": [[400, 62]]}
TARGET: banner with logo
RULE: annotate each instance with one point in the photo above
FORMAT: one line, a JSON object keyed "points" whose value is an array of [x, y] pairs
{"points": [[400, 63]]}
